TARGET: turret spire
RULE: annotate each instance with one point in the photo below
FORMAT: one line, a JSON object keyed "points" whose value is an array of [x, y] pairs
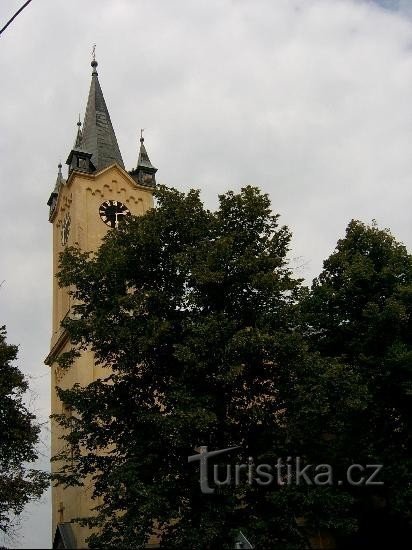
{"points": [[59, 179], [144, 173], [55, 193], [78, 141]]}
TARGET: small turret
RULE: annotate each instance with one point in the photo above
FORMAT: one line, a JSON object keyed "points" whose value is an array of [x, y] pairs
{"points": [[55, 193], [79, 136], [144, 173], [79, 158]]}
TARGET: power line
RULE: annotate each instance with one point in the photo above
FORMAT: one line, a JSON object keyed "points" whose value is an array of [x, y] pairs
{"points": [[14, 16]]}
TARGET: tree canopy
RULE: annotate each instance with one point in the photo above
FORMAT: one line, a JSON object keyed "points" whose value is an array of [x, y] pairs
{"points": [[209, 340], [360, 312], [18, 438]]}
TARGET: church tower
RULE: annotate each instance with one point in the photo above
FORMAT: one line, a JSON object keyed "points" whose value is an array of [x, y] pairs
{"points": [[97, 193]]}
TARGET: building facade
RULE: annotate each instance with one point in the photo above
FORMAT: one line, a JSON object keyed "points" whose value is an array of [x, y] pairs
{"points": [[92, 200]]}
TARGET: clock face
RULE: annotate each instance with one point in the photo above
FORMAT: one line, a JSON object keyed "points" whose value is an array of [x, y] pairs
{"points": [[112, 212], [65, 229]]}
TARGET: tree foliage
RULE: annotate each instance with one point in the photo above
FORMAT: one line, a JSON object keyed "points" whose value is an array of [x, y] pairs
{"points": [[360, 312], [208, 340], [18, 438]]}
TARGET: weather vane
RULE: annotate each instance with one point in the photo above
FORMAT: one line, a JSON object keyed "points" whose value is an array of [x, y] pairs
{"points": [[94, 52], [141, 135]]}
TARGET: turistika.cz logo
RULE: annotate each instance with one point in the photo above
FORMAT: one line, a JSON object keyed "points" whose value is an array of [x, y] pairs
{"points": [[289, 471]]}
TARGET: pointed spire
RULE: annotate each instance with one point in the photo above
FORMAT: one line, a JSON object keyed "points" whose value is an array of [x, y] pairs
{"points": [[78, 141], [144, 172], [59, 180], [98, 137], [79, 158], [143, 161], [54, 194]]}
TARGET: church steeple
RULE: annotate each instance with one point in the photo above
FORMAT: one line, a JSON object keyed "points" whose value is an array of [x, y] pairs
{"points": [[97, 195], [144, 173], [98, 137]]}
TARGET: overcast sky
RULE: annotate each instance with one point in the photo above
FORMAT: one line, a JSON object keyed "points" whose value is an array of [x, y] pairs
{"points": [[308, 99]]}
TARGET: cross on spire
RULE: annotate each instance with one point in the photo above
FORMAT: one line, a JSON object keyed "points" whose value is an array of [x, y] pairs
{"points": [[94, 62]]}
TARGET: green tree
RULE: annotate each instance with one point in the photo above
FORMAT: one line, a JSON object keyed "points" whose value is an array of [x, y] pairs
{"points": [[360, 312], [197, 317], [191, 311], [18, 438]]}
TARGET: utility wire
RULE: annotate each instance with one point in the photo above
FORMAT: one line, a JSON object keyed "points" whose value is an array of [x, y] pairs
{"points": [[14, 16]]}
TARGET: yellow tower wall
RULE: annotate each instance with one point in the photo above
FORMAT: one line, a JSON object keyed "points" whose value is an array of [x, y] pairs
{"points": [[80, 198]]}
